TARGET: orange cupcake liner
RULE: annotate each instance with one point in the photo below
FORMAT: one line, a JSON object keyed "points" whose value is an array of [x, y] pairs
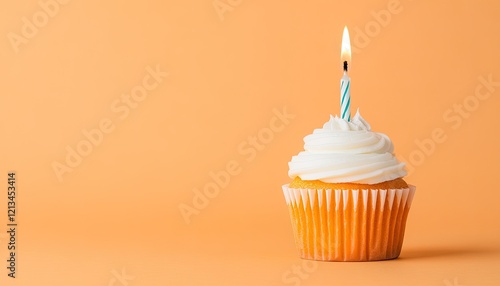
{"points": [[349, 225]]}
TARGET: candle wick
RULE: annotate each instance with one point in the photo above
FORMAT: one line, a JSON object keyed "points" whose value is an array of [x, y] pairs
{"points": [[345, 66]]}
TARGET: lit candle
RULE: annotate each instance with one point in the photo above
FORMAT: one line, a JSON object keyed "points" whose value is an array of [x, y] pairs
{"points": [[345, 82]]}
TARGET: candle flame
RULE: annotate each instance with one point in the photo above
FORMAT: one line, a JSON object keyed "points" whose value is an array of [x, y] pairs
{"points": [[345, 54]]}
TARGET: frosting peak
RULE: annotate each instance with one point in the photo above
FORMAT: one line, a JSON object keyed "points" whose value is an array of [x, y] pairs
{"points": [[357, 123], [343, 152]]}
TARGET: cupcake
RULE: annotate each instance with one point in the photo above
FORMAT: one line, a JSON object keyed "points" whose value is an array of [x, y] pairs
{"points": [[347, 199]]}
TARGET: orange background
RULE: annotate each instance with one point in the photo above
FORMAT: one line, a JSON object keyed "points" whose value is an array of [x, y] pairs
{"points": [[118, 210]]}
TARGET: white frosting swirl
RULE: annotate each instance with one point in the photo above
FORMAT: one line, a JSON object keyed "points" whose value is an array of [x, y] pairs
{"points": [[347, 152]]}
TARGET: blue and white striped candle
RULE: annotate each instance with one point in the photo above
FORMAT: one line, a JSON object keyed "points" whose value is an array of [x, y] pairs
{"points": [[345, 82], [345, 97]]}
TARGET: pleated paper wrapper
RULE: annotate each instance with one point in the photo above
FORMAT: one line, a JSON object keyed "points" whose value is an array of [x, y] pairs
{"points": [[349, 225]]}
